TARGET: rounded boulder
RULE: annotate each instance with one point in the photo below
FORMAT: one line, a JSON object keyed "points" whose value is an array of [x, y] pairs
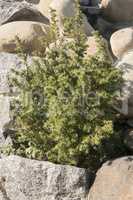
{"points": [[114, 181], [122, 41], [29, 33], [118, 10], [66, 8]]}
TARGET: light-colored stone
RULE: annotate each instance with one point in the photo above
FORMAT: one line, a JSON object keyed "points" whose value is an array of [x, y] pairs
{"points": [[7, 62], [122, 41], [125, 106], [66, 8], [28, 32], [25, 179], [114, 181], [14, 10], [44, 7], [118, 10]]}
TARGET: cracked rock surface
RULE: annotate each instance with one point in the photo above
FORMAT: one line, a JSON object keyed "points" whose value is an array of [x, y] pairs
{"points": [[25, 179]]}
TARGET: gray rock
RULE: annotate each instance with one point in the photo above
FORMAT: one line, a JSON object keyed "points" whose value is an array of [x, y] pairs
{"points": [[94, 10], [114, 181], [95, 2], [104, 27], [14, 10], [25, 179], [118, 10], [7, 61], [125, 105]]}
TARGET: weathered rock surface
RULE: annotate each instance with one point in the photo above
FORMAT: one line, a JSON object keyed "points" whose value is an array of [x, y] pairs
{"points": [[28, 32], [114, 181], [44, 7], [66, 8], [126, 99], [7, 62], [25, 179], [122, 41], [118, 10], [18, 10]]}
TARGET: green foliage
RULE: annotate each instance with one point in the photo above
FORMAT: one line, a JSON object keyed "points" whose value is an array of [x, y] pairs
{"points": [[69, 117]]}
